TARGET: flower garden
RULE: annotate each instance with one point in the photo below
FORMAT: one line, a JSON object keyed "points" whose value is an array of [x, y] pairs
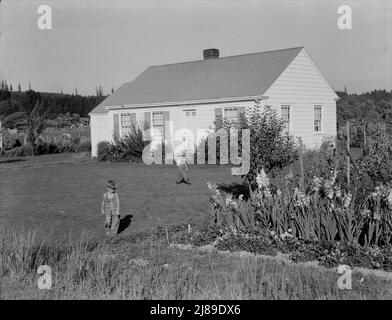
{"points": [[294, 204], [310, 214]]}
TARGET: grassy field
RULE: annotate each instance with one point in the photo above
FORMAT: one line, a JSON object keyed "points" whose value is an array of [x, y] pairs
{"points": [[54, 194], [128, 269], [60, 196]]}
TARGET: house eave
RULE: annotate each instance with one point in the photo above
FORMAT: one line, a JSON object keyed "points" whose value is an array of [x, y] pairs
{"points": [[189, 102]]}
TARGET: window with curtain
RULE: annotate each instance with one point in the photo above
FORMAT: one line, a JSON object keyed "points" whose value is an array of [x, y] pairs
{"points": [[286, 117], [158, 122], [317, 118], [126, 123], [230, 114]]}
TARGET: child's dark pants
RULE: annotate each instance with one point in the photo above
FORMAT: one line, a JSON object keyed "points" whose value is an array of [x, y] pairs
{"points": [[182, 176]]}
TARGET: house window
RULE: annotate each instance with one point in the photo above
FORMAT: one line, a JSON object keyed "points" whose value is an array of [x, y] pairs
{"points": [[230, 114], [158, 123], [286, 117], [126, 124], [317, 118]]}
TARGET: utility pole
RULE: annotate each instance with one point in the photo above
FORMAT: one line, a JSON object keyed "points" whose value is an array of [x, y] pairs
{"points": [[348, 157], [301, 164], [1, 135]]}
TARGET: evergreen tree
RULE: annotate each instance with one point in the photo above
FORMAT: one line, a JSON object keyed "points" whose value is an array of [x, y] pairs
{"points": [[19, 88], [36, 123]]}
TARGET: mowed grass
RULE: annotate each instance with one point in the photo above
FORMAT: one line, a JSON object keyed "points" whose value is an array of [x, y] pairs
{"points": [[59, 198], [66, 197]]}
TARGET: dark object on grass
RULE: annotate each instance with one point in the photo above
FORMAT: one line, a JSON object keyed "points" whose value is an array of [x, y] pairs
{"points": [[16, 144], [236, 189], [124, 223]]}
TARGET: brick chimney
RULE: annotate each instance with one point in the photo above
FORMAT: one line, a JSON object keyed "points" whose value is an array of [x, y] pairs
{"points": [[210, 53]]}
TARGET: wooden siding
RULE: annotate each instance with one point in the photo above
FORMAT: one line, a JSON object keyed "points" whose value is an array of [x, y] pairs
{"points": [[100, 130], [302, 86], [205, 113]]}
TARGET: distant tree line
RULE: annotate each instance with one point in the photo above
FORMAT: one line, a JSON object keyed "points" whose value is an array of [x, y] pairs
{"points": [[373, 106], [369, 114], [16, 103]]}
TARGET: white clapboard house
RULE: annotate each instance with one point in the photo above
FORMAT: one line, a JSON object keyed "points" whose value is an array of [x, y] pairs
{"points": [[191, 95]]}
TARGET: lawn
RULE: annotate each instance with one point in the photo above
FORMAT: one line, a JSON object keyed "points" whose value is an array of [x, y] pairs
{"points": [[61, 194], [53, 193]]}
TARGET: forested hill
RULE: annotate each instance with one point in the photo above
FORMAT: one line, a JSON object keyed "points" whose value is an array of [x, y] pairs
{"points": [[55, 103], [371, 106]]}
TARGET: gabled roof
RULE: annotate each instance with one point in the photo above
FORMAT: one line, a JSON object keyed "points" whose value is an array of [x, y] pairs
{"points": [[216, 78]]}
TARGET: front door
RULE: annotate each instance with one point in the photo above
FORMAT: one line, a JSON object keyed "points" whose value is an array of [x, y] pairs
{"points": [[191, 124], [191, 121]]}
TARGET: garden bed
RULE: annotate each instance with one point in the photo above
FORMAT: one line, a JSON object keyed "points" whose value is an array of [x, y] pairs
{"points": [[327, 254]]}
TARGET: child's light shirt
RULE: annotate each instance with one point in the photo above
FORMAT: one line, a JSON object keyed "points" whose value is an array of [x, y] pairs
{"points": [[180, 155], [181, 160], [111, 204]]}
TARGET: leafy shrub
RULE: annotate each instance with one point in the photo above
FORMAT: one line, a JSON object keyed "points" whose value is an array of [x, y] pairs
{"points": [[15, 120], [76, 141], [15, 152], [27, 149], [271, 147], [45, 148], [84, 146], [103, 150], [376, 161], [22, 151], [129, 148], [323, 163]]}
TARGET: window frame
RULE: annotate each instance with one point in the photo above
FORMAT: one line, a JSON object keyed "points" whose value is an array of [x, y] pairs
{"points": [[320, 124], [282, 107], [155, 126], [225, 109], [192, 112], [124, 128]]}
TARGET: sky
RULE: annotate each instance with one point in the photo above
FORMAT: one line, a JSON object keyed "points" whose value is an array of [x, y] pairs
{"points": [[107, 43]]}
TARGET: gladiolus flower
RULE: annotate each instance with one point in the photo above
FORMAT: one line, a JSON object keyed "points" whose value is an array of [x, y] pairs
{"points": [[377, 216], [347, 200], [262, 179], [390, 198]]}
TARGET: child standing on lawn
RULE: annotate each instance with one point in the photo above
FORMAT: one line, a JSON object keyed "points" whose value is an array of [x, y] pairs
{"points": [[111, 208], [181, 164]]}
